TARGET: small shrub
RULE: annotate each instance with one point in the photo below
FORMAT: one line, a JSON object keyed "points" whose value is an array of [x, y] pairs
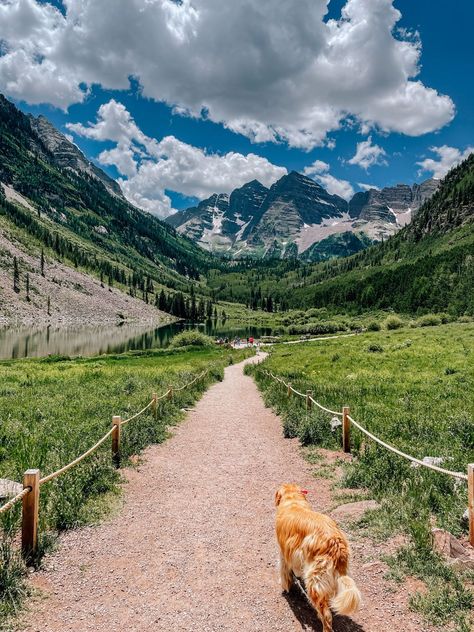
{"points": [[445, 318], [429, 320], [374, 326], [464, 319], [393, 322], [375, 348], [191, 338]]}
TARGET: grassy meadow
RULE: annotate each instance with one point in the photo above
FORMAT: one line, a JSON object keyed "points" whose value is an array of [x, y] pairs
{"points": [[414, 388], [53, 409]]}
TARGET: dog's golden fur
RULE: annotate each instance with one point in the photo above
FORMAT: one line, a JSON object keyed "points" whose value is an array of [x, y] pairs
{"points": [[314, 549]]}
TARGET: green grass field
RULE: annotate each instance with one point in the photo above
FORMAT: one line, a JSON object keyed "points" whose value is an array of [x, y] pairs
{"points": [[53, 409], [413, 388]]}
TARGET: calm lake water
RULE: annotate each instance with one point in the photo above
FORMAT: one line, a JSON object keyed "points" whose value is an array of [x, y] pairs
{"points": [[81, 341]]}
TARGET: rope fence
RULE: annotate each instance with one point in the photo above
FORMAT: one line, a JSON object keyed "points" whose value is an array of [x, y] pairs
{"points": [[348, 421], [32, 481]]}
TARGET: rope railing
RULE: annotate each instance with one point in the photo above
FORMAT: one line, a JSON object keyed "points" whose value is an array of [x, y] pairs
{"points": [[80, 458], [14, 500], [348, 421], [140, 412], [198, 377], [326, 410], [32, 481], [293, 390], [413, 459]]}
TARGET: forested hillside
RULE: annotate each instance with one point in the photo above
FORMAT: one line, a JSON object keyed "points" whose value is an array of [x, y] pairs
{"points": [[80, 219], [58, 208], [427, 266]]}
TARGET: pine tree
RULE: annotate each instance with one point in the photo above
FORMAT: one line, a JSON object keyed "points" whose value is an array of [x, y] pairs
{"points": [[162, 302], [16, 276], [42, 262], [201, 311], [49, 306], [28, 287]]}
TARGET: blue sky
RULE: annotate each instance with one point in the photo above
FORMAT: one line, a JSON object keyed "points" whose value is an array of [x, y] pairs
{"points": [[399, 138]]}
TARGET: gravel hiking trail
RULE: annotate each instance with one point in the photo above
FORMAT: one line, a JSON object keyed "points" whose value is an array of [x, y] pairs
{"points": [[193, 547]]}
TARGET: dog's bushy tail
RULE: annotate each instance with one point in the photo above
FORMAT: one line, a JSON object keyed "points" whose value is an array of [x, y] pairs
{"points": [[347, 598]]}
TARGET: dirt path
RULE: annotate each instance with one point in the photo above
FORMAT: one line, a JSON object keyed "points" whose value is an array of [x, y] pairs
{"points": [[193, 548]]}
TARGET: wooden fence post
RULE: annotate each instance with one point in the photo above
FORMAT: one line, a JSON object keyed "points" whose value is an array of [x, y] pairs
{"points": [[470, 492], [289, 389], [309, 403], [170, 393], [346, 429], [154, 405], [117, 426], [30, 511]]}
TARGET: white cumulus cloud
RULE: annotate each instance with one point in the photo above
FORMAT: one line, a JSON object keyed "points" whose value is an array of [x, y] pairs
{"points": [[367, 187], [448, 157], [150, 167], [270, 70], [319, 170], [368, 155]]}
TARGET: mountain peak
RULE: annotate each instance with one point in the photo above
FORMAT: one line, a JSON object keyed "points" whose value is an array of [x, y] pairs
{"points": [[67, 155]]}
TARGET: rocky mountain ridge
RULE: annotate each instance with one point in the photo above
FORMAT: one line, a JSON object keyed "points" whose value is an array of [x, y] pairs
{"points": [[68, 155], [297, 217]]}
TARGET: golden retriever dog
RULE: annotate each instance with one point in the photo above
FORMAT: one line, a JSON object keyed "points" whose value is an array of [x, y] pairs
{"points": [[314, 549]]}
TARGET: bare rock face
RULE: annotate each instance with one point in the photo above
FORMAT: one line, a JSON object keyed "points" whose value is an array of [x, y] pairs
{"points": [[423, 191], [204, 222], [67, 155], [390, 203], [455, 553], [292, 202], [8, 489]]}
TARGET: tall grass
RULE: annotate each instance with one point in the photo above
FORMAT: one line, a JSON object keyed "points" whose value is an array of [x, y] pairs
{"points": [[416, 393]]}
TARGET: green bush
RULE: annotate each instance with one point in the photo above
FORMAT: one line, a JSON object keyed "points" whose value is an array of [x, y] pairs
{"points": [[429, 320], [375, 348], [191, 338], [393, 322], [373, 326], [327, 327]]}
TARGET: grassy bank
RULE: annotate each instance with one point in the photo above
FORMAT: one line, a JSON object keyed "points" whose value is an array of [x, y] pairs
{"points": [[412, 387], [53, 409]]}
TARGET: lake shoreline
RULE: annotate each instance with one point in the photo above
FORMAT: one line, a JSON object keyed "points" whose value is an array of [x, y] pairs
{"points": [[74, 339]]}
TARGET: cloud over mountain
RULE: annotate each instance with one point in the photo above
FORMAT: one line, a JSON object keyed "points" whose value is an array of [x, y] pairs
{"points": [[151, 167], [368, 155], [319, 171], [269, 70], [448, 157]]}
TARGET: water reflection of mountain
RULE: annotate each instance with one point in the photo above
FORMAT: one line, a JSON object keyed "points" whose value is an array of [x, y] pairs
{"points": [[86, 341]]}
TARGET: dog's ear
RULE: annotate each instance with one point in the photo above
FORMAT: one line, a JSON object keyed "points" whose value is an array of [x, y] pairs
{"points": [[277, 497]]}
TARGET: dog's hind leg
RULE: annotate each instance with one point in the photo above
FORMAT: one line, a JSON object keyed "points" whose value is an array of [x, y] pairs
{"points": [[324, 613], [285, 575]]}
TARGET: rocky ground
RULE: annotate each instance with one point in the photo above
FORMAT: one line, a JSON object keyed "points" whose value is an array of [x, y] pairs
{"points": [[75, 298], [193, 548]]}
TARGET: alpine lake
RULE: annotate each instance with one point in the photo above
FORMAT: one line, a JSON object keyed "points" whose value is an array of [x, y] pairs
{"points": [[73, 341]]}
